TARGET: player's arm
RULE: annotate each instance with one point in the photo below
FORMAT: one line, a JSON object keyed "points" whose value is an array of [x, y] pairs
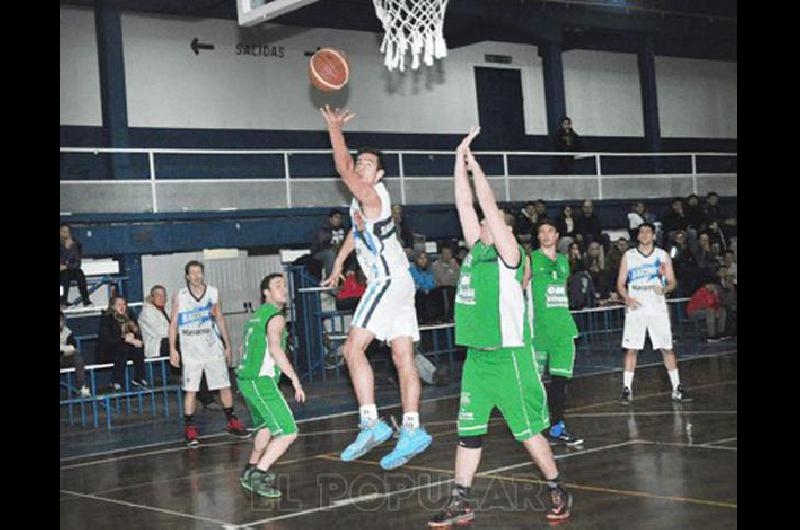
{"points": [[504, 240], [470, 225], [275, 328], [345, 166], [216, 310], [622, 280], [669, 274], [174, 358], [526, 275], [336, 274]]}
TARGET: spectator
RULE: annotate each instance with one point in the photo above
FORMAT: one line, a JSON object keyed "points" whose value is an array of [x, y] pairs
{"points": [[154, 321], [71, 358], [706, 304], [404, 234], [614, 258], [587, 226], [575, 258], [425, 283], [695, 215], [446, 271], [683, 264], [596, 266], [524, 223], [714, 212], [120, 340], [329, 240], [541, 212], [567, 141], [565, 225], [635, 218], [355, 283], [730, 266], [728, 296], [705, 257], [675, 220], [71, 253]]}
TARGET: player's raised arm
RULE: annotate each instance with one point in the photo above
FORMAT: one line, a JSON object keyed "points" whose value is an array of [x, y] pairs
{"points": [[504, 240], [470, 225], [363, 191]]}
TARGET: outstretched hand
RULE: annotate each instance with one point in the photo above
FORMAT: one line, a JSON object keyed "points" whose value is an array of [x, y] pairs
{"points": [[336, 118], [463, 147]]}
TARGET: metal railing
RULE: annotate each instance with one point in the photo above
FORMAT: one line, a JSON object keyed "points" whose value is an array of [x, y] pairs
{"points": [[282, 170]]}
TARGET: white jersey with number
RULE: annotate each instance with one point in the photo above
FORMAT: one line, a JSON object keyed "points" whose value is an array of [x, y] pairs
{"points": [[198, 332], [645, 272], [378, 250]]}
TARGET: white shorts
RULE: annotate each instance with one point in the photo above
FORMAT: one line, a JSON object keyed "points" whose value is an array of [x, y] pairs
{"points": [[656, 324], [387, 309], [210, 360]]}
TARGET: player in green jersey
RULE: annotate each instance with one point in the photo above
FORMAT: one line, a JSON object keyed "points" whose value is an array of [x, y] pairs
{"points": [[554, 329], [500, 370], [264, 349]]}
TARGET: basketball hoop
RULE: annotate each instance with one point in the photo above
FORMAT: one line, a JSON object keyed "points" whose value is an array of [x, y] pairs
{"points": [[413, 26]]}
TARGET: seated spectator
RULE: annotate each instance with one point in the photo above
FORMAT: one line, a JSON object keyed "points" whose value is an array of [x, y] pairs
{"points": [[404, 234], [684, 265], [71, 358], [706, 304], [596, 267], [329, 240], [587, 226], [119, 341], [524, 223], [71, 253], [635, 218], [675, 220], [705, 257], [717, 237], [695, 216], [714, 212], [575, 258], [355, 283], [728, 296], [613, 260], [425, 283], [154, 321], [730, 266], [565, 225], [446, 271]]}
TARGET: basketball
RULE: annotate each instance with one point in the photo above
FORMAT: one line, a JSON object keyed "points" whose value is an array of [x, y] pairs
{"points": [[328, 69]]}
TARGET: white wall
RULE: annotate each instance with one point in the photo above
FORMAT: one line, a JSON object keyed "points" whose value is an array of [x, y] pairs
{"points": [[696, 98], [602, 92], [168, 86], [80, 77]]}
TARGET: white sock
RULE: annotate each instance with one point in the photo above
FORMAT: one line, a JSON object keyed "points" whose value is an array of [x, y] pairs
{"points": [[411, 420], [627, 380], [675, 378], [368, 413]]}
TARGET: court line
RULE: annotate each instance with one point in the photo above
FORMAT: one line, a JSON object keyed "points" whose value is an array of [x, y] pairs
{"points": [[151, 508], [724, 440], [375, 496], [431, 400], [650, 413], [696, 446]]}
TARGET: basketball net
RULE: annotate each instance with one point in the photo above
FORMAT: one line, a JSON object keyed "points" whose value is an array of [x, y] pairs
{"points": [[411, 26]]}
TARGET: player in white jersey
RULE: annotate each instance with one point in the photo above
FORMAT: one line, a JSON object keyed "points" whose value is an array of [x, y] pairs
{"points": [[196, 315], [645, 276], [386, 311]]}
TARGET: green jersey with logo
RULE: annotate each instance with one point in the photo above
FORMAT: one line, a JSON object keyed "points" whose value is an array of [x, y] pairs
{"points": [[551, 316], [257, 360], [490, 305]]}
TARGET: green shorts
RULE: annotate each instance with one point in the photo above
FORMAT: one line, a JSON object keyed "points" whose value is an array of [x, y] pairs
{"points": [[507, 379], [556, 353], [268, 408]]}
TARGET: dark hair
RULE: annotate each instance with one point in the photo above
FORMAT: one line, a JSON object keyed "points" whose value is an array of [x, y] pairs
{"points": [[650, 225], [677, 199], [540, 201], [373, 151], [194, 263], [153, 288], [546, 221], [333, 212], [710, 193], [265, 284]]}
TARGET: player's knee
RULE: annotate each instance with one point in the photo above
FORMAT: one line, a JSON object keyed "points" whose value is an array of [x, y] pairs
{"points": [[471, 442], [290, 438], [402, 359]]}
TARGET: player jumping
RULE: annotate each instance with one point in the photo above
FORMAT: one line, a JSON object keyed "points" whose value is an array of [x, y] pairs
{"points": [[386, 311]]}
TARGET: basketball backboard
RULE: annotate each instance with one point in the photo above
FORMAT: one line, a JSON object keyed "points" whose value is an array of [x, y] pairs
{"points": [[252, 12]]}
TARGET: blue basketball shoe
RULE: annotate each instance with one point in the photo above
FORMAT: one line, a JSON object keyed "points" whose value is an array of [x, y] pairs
{"points": [[367, 439], [411, 443]]}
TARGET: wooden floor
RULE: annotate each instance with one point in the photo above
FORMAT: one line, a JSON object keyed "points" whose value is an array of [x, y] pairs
{"points": [[652, 465]]}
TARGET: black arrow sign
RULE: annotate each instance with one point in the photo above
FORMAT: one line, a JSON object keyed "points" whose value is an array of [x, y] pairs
{"points": [[197, 46]]}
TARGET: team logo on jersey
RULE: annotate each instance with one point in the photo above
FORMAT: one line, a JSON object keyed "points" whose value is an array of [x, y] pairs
{"points": [[465, 293], [465, 398]]}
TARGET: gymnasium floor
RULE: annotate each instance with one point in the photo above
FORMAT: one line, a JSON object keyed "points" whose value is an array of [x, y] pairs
{"points": [[652, 465]]}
